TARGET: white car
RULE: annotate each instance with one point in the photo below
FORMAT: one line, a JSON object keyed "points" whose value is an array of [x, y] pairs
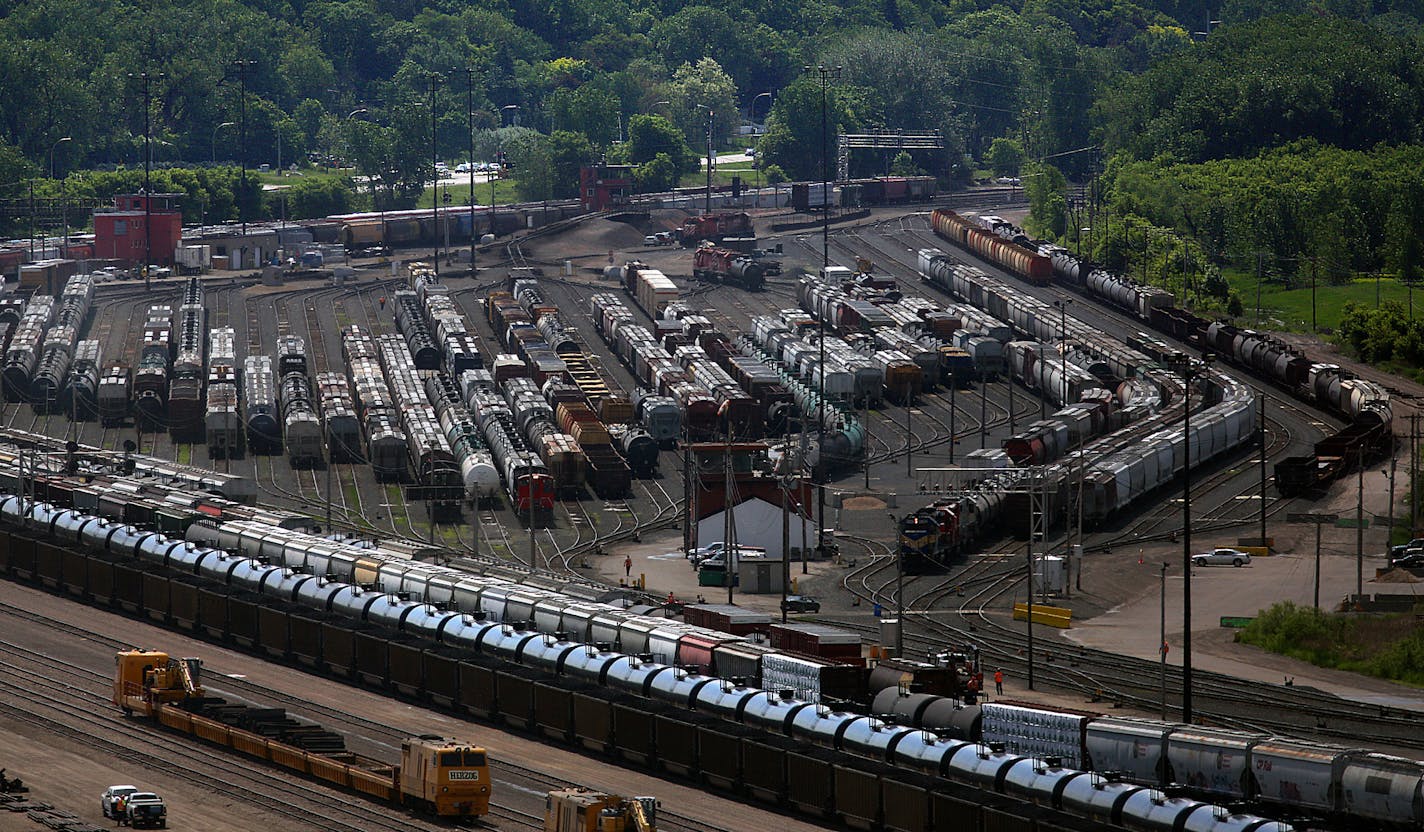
{"points": [[1221, 557], [702, 553], [111, 796]]}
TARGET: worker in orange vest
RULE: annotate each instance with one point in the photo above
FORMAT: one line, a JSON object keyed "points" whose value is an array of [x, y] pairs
{"points": [[628, 566], [671, 599], [383, 301], [999, 681]]}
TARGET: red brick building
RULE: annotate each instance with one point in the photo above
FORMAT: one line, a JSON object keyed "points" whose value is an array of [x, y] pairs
{"points": [[604, 186], [119, 231]]}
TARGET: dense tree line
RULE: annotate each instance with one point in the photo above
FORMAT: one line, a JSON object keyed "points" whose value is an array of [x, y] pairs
{"points": [[372, 84]]}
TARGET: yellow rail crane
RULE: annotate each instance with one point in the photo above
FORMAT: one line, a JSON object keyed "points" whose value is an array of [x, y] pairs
{"points": [[582, 810], [436, 775]]}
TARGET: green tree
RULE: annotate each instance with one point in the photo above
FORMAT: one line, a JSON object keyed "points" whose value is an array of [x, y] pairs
{"points": [[1006, 157], [1046, 190], [567, 153], [311, 198], [656, 175], [696, 89], [589, 110], [904, 165], [650, 135], [793, 129]]}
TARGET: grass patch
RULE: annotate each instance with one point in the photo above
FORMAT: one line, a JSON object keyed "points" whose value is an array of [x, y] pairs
{"points": [[505, 192], [1288, 307], [185, 454], [1385, 646], [396, 500]]}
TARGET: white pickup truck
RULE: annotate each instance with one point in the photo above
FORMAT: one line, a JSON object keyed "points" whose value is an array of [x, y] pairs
{"points": [[146, 811]]}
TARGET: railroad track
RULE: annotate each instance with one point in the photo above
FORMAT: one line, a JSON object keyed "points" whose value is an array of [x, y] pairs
{"points": [[508, 776], [75, 702]]}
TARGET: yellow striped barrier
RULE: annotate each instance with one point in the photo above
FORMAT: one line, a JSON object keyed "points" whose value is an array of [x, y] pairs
{"points": [[1060, 617]]}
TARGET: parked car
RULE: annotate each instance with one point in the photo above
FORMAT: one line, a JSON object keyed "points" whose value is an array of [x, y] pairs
{"points": [[801, 603], [1221, 557], [111, 796], [1403, 548], [1408, 560], [146, 811], [703, 552]]}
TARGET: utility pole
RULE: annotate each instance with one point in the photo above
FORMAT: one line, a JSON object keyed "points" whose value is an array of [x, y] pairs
{"points": [[785, 545], [470, 116], [1360, 525], [147, 78], [1263, 468], [433, 81], [242, 67], [707, 203], [1162, 647], [952, 432], [827, 73]]}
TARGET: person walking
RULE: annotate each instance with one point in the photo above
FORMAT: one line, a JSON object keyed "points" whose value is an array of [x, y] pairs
{"points": [[999, 681], [628, 565]]}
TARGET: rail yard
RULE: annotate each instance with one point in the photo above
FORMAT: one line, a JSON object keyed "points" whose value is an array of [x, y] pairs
{"points": [[425, 481]]}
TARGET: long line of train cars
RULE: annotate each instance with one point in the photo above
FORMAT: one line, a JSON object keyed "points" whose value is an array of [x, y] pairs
{"points": [[1118, 468], [1364, 405], [858, 769]]}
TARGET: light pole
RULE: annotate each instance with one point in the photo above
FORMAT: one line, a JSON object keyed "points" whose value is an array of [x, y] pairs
{"points": [[64, 202], [707, 201], [756, 161], [499, 158], [826, 73], [1062, 307], [147, 78], [242, 67], [899, 597], [432, 82], [1162, 644], [470, 162], [1081, 232], [1190, 370], [214, 140]]}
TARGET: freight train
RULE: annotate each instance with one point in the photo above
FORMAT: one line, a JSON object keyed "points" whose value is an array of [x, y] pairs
{"points": [[150, 378], [186, 405], [1344, 785], [728, 267], [439, 776], [1127, 465], [728, 734], [1365, 406]]}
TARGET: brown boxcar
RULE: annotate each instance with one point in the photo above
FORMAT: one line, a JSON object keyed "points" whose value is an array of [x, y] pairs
{"points": [[857, 793], [337, 647], [242, 610], [183, 607], [373, 656], [440, 667], [406, 660], [812, 790], [157, 595], [212, 610], [514, 687], [74, 572], [305, 638], [49, 565], [478, 694], [593, 719], [100, 580], [676, 743], [633, 734], [273, 629]]}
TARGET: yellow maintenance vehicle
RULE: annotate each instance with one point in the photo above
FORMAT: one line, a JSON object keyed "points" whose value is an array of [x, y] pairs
{"points": [[582, 810], [439, 776]]}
